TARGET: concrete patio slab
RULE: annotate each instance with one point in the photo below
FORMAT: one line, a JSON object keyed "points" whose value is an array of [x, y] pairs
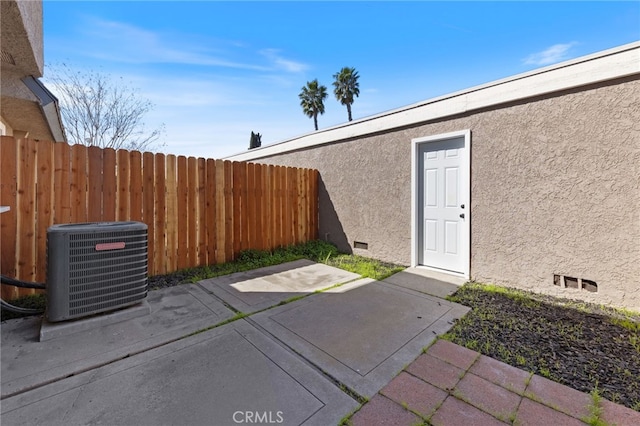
{"points": [[427, 281], [362, 334], [175, 312], [229, 375], [258, 289]]}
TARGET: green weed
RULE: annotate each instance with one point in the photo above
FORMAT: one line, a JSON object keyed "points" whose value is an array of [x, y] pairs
{"points": [[627, 323], [317, 251], [472, 344], [236, 317], [363, 266], [595, 409], [544, 372]]}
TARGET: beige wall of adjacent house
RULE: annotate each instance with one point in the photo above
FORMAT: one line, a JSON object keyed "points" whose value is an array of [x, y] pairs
{"points": [[22, 36], [555, 189]]}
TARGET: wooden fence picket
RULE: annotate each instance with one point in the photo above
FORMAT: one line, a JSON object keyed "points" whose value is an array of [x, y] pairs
{"points": [[171, 214], [228, 211], [211, 210], [160, 226], [135, 186], [148, 205], [94, 181], [201, 236], [78, 184], [44, 204], [109, 185], [123, 178], [9, 219], [239, 203], [61, 183], [220, 212], [192, 211]]}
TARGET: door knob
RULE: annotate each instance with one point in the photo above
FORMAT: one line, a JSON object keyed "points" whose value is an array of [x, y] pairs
{"points": [[462, 206], [462, 215]]}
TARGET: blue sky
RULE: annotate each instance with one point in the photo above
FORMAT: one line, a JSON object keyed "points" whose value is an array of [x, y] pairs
{"points": [[216, 71]]}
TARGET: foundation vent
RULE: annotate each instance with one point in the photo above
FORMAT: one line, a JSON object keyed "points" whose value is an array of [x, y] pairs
{"points": [[566, 281], [360, 245]]}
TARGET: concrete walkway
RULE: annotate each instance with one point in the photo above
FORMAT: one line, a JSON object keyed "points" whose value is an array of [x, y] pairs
{"points": [[266, 346]]}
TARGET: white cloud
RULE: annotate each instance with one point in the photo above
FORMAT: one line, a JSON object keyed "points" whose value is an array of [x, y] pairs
{"points": [[553, 54], [139, 46], [282, 63]]}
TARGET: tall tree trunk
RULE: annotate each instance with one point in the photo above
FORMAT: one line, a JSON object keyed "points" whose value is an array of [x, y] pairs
{"points": [[349, 111], [315, 120]]}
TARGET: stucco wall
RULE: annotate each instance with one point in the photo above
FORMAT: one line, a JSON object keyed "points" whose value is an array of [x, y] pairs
{"points": [[555, 189], [22, 35], [20, 108], [569, 201]]}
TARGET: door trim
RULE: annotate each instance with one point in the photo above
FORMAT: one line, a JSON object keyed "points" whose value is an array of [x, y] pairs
{"points": [[466, 165]]}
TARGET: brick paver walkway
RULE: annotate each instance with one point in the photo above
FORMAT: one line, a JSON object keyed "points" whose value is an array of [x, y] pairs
{"points": [[452, 385]]}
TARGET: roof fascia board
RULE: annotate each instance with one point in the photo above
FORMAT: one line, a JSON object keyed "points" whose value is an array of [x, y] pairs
{"points": [[602, 66], [49, 107]]}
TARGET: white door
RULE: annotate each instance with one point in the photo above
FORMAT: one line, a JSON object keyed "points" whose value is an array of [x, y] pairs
{"points": [[443, 186]]}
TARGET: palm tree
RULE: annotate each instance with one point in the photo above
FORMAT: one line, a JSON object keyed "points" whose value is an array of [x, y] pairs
{"points": [[312, 100], [346, 86]]}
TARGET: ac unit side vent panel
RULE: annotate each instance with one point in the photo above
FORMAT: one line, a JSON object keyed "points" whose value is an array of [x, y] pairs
{"points": [[95, 267]]}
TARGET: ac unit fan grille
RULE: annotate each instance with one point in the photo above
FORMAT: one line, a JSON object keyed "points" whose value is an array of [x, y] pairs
{"points": [[100, 280], [89, 305], [91, 290]]}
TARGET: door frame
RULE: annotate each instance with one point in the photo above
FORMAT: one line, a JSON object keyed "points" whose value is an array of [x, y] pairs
{"points": [[416, 144]]}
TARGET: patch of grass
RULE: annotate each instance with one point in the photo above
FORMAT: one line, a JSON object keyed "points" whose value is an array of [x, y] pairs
{"points": [[317, 251], [629, 323], [346, 420], [247, 260], [364, 266]]}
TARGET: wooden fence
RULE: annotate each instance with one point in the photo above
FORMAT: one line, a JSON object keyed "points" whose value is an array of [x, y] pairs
{"points": [[198, 211]]}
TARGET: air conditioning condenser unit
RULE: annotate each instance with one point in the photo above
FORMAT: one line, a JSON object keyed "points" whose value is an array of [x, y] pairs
{"points": [[95, 267]]}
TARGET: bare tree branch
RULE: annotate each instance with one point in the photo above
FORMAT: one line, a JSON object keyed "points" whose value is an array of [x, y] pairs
{"points": [[96, 111]]}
